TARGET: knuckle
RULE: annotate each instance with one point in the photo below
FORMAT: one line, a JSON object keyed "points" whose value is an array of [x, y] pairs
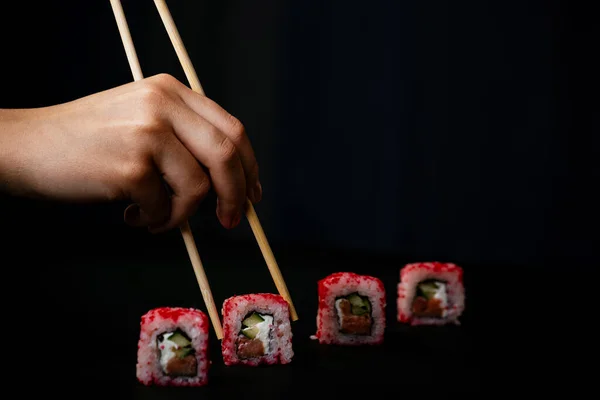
{"points": [[152, 96], [165, 80], [150, 119], [149, 115], [237, 131], [137, 173], [115, 193], [199, 189], [226, 151], [142, 140], [149, 126]]}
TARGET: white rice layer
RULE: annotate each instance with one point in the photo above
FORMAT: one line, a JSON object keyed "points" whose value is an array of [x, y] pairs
{"points": [[327, 317], [279, 341], [454, 294], [148, 367]]}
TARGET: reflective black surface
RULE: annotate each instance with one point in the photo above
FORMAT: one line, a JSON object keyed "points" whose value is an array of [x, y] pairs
{"points": [[82, 326]]}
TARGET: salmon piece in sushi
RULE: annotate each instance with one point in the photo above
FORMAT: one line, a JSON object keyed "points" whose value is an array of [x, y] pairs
{"points": [[256, 330], [351, 310], [173, 347], [431, 293]]}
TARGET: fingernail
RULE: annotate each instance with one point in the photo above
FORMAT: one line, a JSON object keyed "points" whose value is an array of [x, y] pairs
{"points": [[131, 215], [136, 217], [230, 221]]}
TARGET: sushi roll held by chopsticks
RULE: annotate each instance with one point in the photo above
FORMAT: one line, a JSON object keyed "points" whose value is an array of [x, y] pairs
{"points": [[256, 330], [431, 293]]}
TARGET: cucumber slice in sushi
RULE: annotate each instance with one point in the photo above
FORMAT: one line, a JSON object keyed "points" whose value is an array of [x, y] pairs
{"points": [[429, 289], [252, 320], [355, 299], [179, 339], [360, 305], [184, 352], [359, 310], [367, 305], [250, 332]]}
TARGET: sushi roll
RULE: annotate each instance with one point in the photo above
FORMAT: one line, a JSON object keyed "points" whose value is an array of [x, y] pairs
{"points": [[256, 330], [351, 310], [431, 293], [173, 347]]}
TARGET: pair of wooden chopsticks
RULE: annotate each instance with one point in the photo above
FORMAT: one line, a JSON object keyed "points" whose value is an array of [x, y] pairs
{"points": [[186, 232]]}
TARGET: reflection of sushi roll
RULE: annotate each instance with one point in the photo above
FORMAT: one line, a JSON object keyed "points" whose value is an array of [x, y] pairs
{"points": [[256, 330], [351, 309], [173, 347], [430, 293]]}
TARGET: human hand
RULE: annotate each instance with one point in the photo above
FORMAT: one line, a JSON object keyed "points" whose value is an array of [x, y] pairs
{"points": [[128, 143]]}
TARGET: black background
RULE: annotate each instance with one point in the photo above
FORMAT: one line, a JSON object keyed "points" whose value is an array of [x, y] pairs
{"points": [[386, 132]]}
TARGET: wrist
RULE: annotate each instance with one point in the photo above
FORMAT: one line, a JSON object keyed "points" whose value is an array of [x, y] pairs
{"points": [[16, 129]]}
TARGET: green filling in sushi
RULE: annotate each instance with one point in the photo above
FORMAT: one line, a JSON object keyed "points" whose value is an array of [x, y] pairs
{"points": [[431, 299], [177, 356], [254, 337], [354, 314]]}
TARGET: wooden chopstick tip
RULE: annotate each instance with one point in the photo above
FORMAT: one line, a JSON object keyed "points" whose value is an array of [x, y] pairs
{"points": [[269, 257]]}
